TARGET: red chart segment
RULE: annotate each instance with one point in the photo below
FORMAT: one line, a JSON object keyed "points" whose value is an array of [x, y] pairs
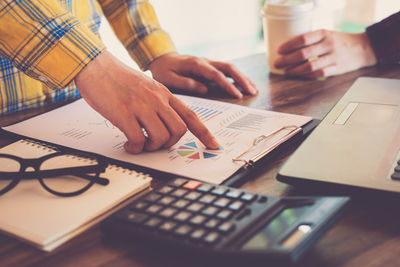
{"points": [[192, 150], [195, 156]]}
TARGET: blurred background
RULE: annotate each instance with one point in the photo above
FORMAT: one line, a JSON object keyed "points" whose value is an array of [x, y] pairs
{"points": [[228, 29]]}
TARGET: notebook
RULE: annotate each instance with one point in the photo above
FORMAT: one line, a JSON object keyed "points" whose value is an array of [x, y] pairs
{"points": [[46, 221], [357, 143]]}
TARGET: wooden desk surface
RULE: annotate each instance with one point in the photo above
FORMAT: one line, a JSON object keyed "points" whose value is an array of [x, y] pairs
{"points": [[367, 235]]}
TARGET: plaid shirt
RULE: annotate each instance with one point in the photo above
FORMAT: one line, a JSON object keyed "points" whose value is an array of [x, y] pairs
{"points": [[385, 40], [45, 43]]}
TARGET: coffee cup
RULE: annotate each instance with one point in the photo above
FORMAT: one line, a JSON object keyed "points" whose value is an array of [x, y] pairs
{"points": [[282, 20]]}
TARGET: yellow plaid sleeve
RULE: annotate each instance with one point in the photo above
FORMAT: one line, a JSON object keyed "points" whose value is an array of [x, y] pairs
{"points": [[45, 41], [135, 24]]}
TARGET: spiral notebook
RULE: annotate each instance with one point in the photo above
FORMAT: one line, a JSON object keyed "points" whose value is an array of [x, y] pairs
{"points": [[32, 214]]}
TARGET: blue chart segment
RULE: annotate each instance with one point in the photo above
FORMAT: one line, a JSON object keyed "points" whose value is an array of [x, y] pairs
{"points": [[205, 113], [192, 150]]}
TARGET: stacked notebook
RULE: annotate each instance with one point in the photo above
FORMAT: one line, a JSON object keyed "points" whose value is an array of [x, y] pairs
{"points": [[32, 214]]}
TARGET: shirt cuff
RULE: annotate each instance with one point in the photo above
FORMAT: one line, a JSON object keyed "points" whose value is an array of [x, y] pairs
{"points": [[384, 37], [150, 47], [66, 58]]}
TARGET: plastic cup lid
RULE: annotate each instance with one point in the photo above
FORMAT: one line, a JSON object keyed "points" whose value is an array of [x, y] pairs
{"points": [[287, 7]]}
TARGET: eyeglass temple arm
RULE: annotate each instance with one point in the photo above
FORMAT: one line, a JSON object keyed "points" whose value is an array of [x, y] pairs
{"points": [[97, 180]]}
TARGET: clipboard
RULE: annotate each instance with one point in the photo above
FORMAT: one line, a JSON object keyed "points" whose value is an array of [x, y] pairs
{"points": [[256, 164], [260, 163]]}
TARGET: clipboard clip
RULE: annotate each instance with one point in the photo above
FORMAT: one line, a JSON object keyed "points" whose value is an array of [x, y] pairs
{"points": [[264, 144]]}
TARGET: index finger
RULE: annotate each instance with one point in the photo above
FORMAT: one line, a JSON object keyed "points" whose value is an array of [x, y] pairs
{"points": [[301, 41], [194, 124]]}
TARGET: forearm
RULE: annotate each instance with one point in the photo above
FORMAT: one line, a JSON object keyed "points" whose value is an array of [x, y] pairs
{"points": [[45, 41]]}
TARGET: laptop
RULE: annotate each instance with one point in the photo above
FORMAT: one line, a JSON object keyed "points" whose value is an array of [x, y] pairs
{"points": [[357, 143]]}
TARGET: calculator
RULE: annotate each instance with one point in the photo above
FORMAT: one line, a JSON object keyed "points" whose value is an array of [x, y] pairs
{"points": [[225, 223]]}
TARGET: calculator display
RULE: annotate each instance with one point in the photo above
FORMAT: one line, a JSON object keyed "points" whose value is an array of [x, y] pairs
{"points": [[273, 231]]}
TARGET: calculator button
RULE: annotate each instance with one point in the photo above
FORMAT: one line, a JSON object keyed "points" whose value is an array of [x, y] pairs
{"points": [[165, 190], [226, 227], [139, 205], [192, 185], [248, 197], [181, 203], [153, 197], [153, 222], [397, 168], [395, 176], [207, 198], [224, 214], [210, 211], [178, 182], [193, 195], [168, 212], [234, 193], [197, 234], [222, 202], [183, 230], [167, 226], [219, 191], [195, 207], [262, 199], [166, 200], [237, 205], [198, 219], [153, 208], [205, 188], [212, 223], [211, 238], [179, 192], [243, 214], [182, 216], [131, 216]]}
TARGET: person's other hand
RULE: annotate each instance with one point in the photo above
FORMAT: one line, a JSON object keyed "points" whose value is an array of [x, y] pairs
{"points": [[180, 72], [131, 101], [325, 53]]}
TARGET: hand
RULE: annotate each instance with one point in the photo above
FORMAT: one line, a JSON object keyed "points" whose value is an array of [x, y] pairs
{"points": [[178, 71], [325, 53], [131, 101]]}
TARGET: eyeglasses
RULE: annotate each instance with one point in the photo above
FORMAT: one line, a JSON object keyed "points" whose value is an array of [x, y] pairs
{"points": [[60, 173]]}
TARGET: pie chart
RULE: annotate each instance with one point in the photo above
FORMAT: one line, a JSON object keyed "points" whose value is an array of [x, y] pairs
{"points": [[193, 150]]}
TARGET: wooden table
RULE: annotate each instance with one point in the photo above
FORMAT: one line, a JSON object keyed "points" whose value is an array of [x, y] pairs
{"points": [[367, 235]]}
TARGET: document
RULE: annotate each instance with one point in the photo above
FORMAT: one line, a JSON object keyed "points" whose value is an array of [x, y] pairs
{"points": [[235, 127]]}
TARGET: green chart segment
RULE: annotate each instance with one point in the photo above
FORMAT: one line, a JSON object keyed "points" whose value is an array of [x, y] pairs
{"points": [[192, 150]]}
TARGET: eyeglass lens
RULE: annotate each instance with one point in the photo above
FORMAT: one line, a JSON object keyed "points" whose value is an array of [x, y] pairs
{"points": [[64, 184]]}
